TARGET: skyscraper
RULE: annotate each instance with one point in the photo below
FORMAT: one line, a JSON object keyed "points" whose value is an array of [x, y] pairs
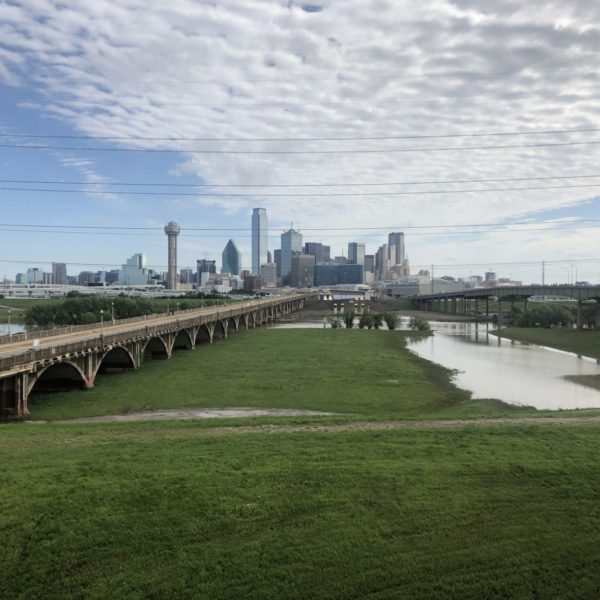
{"points": [[291, 241], [356, 253], [172, 230], [231, 259], [260, 233], [59, 273], [318, 250], [397, 255]]}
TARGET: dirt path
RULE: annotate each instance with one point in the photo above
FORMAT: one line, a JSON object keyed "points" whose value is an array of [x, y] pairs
{"points": [[186, 414]]}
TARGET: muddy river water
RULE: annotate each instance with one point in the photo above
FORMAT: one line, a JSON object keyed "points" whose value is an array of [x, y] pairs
{"points": [[495, 367]]}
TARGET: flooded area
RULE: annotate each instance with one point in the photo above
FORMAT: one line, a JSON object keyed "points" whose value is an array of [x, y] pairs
{"points": [[493, 367], [196, 413], [14, 328], [522, 374]]}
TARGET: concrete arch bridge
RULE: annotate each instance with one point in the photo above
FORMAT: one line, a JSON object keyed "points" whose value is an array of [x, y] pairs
{"points": [[73, 357]]}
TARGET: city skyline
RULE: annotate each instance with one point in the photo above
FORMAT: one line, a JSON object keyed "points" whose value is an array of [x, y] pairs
{"points": [[428, 143]]}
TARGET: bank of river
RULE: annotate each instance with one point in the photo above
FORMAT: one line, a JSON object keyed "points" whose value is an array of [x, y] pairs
{"points": [[490, 366]]}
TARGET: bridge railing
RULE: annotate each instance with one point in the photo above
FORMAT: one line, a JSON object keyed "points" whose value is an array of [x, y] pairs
{"points": [[209, 310], [181, 319]]}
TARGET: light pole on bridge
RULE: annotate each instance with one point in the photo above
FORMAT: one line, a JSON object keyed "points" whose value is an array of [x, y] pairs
{"points": [[9, 333]]}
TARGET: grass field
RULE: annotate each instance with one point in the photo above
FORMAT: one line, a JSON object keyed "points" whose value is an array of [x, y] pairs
{"points": [[18, 307], [354, 372], [167, 510], [584, 342], [176, 510]]}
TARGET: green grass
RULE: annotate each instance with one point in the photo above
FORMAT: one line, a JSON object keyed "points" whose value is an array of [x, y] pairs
{"points": [[354, 372], [19, 306], [188, 509], [167, 510], [397, 303], [584, 342]]}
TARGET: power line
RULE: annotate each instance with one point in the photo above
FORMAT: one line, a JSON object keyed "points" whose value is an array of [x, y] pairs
{"points": [[292, 139], [296, 152], [318, 194], [276, 236], [529, 263], [229, 229], [307, 185]]}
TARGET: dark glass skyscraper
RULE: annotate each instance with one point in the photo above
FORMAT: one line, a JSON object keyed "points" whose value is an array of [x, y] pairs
{"points": [[231, 259]]}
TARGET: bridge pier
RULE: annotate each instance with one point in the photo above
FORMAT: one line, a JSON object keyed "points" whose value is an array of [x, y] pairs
{"points": [[499, 317]]}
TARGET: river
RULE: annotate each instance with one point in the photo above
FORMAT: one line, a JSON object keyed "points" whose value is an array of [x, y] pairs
{"points": [[14, 328], [494, 367]]}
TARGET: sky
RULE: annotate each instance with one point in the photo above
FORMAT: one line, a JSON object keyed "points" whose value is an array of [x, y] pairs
{"points": [[346, 118]]}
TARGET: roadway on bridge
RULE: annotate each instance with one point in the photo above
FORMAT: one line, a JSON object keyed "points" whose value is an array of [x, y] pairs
{"points": [[20, 347]]}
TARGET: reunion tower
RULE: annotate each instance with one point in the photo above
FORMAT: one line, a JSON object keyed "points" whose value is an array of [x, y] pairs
{"points": [[172, 230]]}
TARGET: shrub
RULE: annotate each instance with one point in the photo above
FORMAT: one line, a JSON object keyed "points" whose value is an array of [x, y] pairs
{"points": [[349, 319], [391, 320], [365, 321], [334, 322], [419, 324]]}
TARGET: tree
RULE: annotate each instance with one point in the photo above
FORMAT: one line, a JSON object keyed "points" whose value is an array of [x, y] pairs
{"points": [[334, 321], [377, 320], [419, 324], [349, 319], [365, 321], [391, 320]]}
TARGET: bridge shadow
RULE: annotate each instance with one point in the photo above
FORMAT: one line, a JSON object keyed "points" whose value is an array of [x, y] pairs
{"points": [[61, 377]]}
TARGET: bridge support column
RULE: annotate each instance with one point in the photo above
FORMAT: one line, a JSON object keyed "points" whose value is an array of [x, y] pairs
{"points": [[90, 363], [16, 392], [477, 306], [499, 318], [487, 308]]}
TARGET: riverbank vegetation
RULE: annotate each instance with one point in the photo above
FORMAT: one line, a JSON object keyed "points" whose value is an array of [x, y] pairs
{"points": [[171, 510], [83, 310], [584, 342]]}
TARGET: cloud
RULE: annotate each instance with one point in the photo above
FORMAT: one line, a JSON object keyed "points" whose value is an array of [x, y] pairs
{"points": [[279, 69]]}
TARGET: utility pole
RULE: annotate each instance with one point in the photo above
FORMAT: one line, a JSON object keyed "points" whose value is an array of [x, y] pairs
{"points": [[543, 272], [432, 279]]}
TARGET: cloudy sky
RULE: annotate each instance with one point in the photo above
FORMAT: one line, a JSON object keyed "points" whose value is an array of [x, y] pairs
{"points": [[347, 118]]}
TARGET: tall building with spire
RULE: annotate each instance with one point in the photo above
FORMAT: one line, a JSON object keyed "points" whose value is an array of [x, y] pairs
{"points": [[260, 232]]}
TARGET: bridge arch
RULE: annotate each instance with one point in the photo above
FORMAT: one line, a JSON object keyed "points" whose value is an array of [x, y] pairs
{"points": [[204, 335], [233, 325], [58, 377], [155, 349], [115, 360], [183, 340], [220, 329]]}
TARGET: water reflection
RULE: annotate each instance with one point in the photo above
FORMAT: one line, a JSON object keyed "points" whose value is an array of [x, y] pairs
{"points": [[14, 328], [495, 367]]}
